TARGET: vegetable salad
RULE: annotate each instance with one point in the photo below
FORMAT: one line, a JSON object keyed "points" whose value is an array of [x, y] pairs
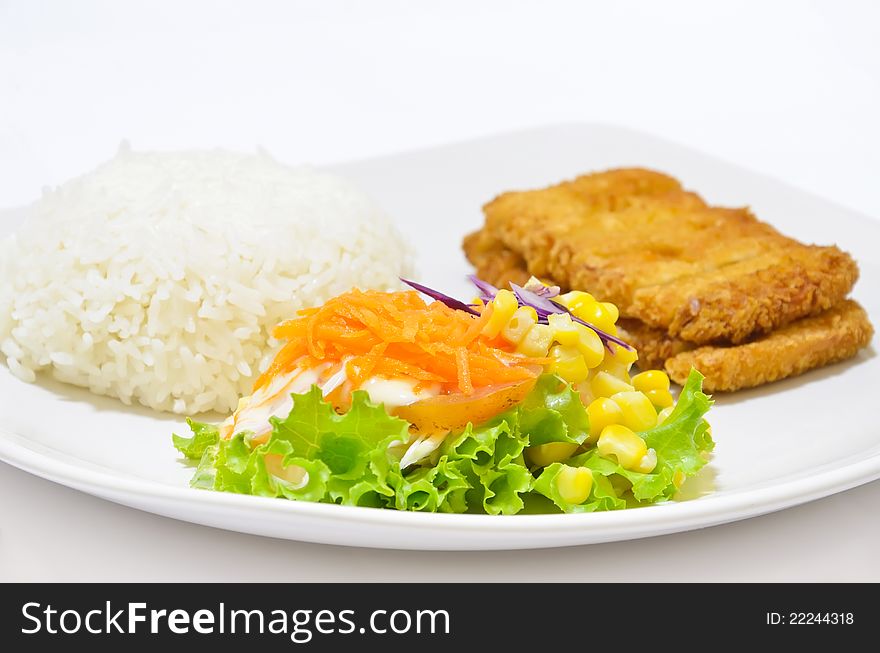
{"points": [[520, 400]]}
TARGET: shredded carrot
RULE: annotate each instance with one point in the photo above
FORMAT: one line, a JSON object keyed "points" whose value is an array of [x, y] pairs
{"points": [[397, 334]]}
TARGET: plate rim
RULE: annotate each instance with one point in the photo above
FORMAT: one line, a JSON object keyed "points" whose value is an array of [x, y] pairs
{"points": [[593, 527]]}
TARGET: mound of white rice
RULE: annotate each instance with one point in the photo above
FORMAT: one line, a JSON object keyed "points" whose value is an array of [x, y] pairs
{"points": [[157, 277]]}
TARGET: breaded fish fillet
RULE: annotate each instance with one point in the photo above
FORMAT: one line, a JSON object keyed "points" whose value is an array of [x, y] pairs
{"points": [[834, 335], [655, 346], [494, 262], [500, 266], [635, 238]]}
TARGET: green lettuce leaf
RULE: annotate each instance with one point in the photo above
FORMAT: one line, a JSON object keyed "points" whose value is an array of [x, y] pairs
{"points": [[455, 480], [490, 459], [439, 488], [315, 454], [204, 435], [340, 458], [681, 443], [644, 487], [502, 487], [372, 488], [498, 441], [233, 465], [264, 483], [205, 475], [342, 442], [553, 412], [682, 439], [602, 494], [353, 447]]}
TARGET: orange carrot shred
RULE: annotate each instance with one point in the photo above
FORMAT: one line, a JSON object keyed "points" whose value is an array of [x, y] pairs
{"points": [[397, 334]]}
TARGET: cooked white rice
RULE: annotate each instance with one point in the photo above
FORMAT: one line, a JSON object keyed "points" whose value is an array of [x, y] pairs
{"points": [[157, 277]]}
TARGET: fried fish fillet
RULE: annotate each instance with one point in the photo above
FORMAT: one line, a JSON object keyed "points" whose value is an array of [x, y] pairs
{"points": [[835, 335], [832, 336], [500, 266], [493, 261], [655, 346], [636, 238]]}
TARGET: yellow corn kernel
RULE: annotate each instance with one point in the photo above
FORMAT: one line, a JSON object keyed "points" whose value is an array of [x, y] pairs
{"points": [[478, 302], [536, 341], [618, 442], [575, 298], [624, 356], [602, 412], [590, 345], [503, 307], [614, 368], [568, 363], [583, 390], [639, 413], [523, 319], [647, 463], [660, 398], [535, 281], [574, 484], [596, 314], [664, 414], [531, 311], [606, 385], [612, 310], [678, 478], [651, 380], [565, 331], [582, 304], [542, 455]]}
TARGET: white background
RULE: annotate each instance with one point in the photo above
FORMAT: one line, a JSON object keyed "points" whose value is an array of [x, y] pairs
{"points": [[791, 89]]}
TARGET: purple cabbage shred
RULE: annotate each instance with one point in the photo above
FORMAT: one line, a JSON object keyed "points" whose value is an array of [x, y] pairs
{"points": [[451, 302], [534, 294]]}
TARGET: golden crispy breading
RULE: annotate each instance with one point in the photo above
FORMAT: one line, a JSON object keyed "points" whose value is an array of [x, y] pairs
{"points": [[655, 346], [835, 335], [500, 266], [493, 261], [810, 342], [635, 238]]}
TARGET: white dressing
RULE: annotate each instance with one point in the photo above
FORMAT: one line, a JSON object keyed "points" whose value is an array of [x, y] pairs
{"points": [[272, 400], [421, 448], [395, 392]]}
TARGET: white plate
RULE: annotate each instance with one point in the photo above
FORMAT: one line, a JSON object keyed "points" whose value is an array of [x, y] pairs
{"points": [[778, 446]]}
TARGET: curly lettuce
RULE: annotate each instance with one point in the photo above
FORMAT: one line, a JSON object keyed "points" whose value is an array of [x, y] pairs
{"points": [[316, 454], [602, 494], [682, 443]]}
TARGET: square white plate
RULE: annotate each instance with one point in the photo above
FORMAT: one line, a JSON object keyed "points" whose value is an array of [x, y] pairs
{"points": [[777, 446]]}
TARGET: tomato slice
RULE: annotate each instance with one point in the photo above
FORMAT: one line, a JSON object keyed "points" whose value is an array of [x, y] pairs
{"points": [[445, 413]]}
